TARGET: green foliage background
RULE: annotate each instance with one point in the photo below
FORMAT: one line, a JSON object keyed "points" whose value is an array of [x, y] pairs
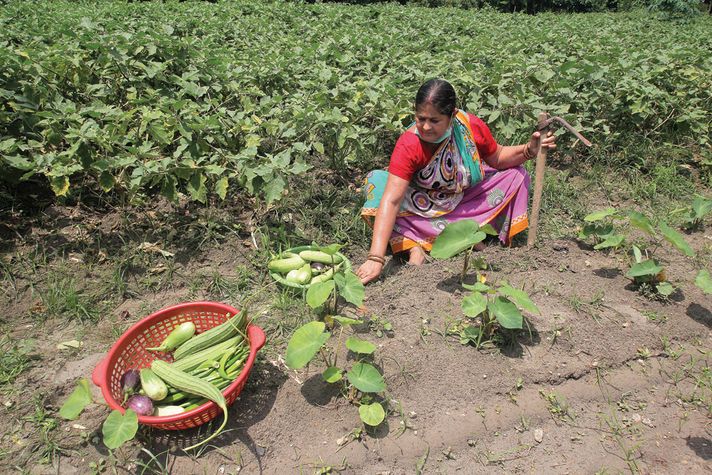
{"points": [[201, 98]]}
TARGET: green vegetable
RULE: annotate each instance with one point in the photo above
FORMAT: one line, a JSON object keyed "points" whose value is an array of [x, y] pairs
{"points": [[319, 256], [215, 335], [152, 385], [285, 265], [300, 276], [177, 337], [195, 360], [190, 384], [323, 277]]}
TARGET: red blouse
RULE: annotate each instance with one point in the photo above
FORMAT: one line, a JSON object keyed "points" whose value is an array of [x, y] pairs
{"points": [[409, 156]]}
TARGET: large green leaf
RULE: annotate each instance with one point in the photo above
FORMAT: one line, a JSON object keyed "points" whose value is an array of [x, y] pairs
{"points": [[507, 314], [77, 401], [366, 378], [119, 428], [372, 414], [704, 281], [456, 237], [520, 298], [474, 304], [306, 341], [640, 221], [676, 239], [701, 207], [648, 267], [319, 292], [350, 287], [610, 241], [360, 346], [599, 215]]}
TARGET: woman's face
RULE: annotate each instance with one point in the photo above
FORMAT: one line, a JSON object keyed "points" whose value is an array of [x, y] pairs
{"points": [[431, 123]]}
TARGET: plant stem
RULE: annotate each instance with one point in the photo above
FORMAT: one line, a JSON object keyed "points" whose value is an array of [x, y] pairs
{"points": [[466, 263]]}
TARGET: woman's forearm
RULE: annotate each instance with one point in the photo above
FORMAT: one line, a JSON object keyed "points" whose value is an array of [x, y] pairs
{"points": [[510, 156], [383, 227]]}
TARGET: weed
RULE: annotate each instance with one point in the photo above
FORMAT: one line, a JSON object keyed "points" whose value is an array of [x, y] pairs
{"points": [[380, 326], [44, 425], [558, 406], [62, 298], [15, 358]]}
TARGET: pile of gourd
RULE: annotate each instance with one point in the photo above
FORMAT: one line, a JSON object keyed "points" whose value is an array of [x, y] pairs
{"points": [[307, 267]]}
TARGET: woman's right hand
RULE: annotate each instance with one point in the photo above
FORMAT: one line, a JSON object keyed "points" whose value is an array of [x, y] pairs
{"points": [[369, 270]]}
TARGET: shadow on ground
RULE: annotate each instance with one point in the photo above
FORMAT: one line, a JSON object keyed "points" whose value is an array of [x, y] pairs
{"points": [[254, 404], [699, 314]]}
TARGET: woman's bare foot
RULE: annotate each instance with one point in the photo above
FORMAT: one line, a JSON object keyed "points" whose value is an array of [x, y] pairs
{"points": [[417, 256]]}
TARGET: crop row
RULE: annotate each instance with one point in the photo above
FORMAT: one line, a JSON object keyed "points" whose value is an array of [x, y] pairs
{"points": [[203, 98]]}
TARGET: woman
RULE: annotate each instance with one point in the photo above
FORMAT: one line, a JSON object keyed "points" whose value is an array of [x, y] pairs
{"points": [[444, 168]]}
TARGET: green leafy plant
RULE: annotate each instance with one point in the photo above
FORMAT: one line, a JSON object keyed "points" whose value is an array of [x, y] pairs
{"points": [[493, 308], [460, 236], [600, 227], [646, 272], [361, 382], [695, 214]]}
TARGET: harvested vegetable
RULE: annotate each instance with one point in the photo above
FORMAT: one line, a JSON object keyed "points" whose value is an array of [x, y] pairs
{"points": [[152, 385], [228, 329], [130, 381], [162, 411], [320, 256], [191, 384], [300, 276], [140, 404], [177, 337], [285, 265]]}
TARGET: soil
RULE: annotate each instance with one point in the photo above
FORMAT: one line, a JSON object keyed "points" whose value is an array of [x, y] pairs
{"points": [[604, 380]]}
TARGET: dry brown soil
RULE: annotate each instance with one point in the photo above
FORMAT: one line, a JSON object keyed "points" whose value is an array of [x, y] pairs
{"points": [[605, 380]]}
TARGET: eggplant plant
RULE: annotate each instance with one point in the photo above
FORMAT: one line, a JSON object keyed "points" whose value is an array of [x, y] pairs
{"points": [[461, 236], [360, 382], [491, 308]]}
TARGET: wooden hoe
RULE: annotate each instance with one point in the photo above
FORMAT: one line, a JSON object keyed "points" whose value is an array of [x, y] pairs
{"points": [[543, 126]]}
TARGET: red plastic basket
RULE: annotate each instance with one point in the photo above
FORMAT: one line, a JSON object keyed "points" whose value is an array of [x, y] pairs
{"points": [[128, 352]]}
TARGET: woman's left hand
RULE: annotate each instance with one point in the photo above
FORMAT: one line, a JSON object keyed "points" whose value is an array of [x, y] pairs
{"points": [[537, 142]]}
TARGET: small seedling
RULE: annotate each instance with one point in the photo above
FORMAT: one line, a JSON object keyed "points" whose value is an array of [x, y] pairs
{"points": [[646, 272], [695, 214], [493, 308]]}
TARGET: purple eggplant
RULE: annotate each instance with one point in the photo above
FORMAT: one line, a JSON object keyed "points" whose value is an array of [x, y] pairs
{"points": [[130, 381], [141, 405], [317, 267]]}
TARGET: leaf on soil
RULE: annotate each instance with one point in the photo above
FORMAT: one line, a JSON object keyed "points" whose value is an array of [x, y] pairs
{"points": [[704, 281], [119, 428], [371, 414], [77, 401]]}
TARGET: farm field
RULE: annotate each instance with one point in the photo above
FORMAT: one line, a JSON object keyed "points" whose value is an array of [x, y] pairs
{"points": [[158, 153]]}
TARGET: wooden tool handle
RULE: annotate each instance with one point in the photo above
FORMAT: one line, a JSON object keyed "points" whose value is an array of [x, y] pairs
{"points": [[538, 186]]}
